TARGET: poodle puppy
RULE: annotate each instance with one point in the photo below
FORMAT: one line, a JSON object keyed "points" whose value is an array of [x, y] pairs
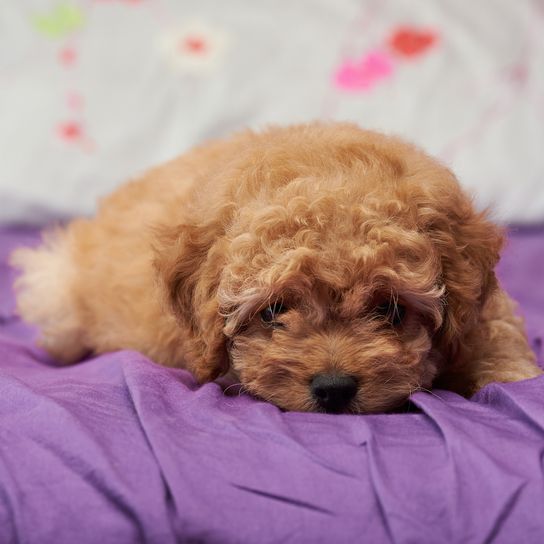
{"points": [[325, 267]]}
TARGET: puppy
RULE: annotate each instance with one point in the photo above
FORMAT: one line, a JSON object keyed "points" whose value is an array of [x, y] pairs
{"points": [[328, 268]]}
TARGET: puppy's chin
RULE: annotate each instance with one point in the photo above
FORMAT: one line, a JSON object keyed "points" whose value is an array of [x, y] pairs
{"points": [[277, 384], [296, 399]]}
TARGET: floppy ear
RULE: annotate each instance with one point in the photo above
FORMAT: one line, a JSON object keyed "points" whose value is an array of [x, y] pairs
{"points": [[469, 246], [188, 261]]}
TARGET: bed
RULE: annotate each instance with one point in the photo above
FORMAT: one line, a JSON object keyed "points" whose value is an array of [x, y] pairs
{"points": [[119, 450]]}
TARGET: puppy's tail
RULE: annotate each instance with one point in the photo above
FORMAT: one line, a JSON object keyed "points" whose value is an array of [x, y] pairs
{"points": [[45, 295]]}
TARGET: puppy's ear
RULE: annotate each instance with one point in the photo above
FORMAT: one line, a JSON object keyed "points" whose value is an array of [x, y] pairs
{"points": [[469, 247], [188, 261]]}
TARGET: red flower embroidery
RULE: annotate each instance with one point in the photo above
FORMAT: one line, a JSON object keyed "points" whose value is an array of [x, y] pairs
{"points": [[194, 47], [411, 42], [70, 130], [193, 44]]}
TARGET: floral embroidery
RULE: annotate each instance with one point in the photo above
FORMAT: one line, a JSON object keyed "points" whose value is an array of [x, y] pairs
{"points": [[378, 65], [364, 73], [67, 56], [411, 42], [73, 133], [62, 20], [71, 130], [195, 47]]}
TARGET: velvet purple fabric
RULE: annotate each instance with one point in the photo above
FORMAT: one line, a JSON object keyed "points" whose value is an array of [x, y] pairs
{"points": [[119, 450]]}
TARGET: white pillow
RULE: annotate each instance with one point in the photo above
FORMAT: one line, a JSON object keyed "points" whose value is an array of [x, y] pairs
{"points": [[93, 93]]}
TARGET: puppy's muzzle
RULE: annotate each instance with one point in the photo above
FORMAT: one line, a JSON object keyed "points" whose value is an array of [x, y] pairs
{"points": [[333, 392]]}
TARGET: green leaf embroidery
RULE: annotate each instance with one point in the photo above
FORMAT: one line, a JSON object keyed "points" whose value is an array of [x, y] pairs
{"points": [[62, 20]]}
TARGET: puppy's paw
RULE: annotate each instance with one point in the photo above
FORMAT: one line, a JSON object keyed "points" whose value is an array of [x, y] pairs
{"points": [[509, 372]]}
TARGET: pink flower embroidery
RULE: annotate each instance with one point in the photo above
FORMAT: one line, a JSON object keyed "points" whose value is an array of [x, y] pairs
{"points": [[70, 131], [67, 56], [363, 74]]}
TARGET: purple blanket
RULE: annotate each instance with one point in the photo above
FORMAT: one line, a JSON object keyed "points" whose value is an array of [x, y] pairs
{"points": [[118, 450]]}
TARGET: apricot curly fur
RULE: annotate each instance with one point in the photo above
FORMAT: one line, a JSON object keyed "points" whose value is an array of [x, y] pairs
{"points": [[327, 218]]}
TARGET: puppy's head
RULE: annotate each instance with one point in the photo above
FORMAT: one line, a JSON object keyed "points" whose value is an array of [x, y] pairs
{"points": [[337, 270]]}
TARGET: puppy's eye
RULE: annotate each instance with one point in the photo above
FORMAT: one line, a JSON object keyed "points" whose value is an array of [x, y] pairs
{"points": [[394, 313], [269, 314]]}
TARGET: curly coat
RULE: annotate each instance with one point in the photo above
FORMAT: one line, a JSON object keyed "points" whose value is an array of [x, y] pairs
{"points": [[332, 222]]}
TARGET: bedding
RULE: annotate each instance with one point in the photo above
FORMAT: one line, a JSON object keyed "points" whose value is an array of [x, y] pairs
{"points": [[92, 93], [117, 449]]}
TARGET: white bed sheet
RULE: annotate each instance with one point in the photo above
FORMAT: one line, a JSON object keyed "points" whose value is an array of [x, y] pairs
{"points": [[94, 92]]}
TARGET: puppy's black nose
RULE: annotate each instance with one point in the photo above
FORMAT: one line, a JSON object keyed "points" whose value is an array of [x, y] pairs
{"points": [[333, 392]]}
